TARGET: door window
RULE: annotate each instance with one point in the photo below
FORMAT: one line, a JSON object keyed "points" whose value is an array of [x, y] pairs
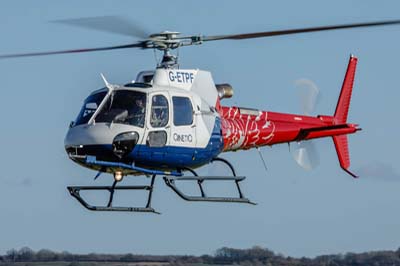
{"points": [[159, 111], [183, 111]]}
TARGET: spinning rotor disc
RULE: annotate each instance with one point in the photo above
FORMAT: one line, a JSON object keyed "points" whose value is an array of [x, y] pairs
{"points": [[168, 40]]}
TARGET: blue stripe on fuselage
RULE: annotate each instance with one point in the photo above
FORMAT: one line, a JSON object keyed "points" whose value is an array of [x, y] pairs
{"points": [[176, 157]]}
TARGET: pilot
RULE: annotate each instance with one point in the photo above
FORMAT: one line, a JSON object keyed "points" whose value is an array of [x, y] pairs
{"points": [[139, 106]]}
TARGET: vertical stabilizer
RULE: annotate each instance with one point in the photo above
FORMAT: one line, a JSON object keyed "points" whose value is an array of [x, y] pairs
{"points": [[343, 104], [340, 117]]}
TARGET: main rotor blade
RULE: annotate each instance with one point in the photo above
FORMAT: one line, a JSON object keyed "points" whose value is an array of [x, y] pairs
{"points": [[111, 24], [296, 31], [73, 51]]}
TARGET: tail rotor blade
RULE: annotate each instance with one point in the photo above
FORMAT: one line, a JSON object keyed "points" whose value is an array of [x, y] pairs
{"points": [[305, 154], [308, 94]]}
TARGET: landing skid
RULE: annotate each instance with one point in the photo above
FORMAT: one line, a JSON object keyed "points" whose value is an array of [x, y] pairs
{"points": [[170, 181], [75, 192]]}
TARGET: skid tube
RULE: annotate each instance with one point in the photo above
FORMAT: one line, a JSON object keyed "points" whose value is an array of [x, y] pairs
{"points": [[170, 182]]}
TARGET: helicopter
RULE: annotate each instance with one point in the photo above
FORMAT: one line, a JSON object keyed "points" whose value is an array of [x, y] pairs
{"points": [[170, 121]]}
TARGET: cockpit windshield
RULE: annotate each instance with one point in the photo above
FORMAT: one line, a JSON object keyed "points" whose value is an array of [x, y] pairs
{"points": [[89, 107], [124, 107]]}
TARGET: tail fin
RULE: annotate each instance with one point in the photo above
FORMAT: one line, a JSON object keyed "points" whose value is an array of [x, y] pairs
{"points": [[342, 109], [343, 104], [342, 150]]}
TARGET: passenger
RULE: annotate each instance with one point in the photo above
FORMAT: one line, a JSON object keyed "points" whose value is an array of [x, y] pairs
{"points": [[138, 113], [164, 116]]}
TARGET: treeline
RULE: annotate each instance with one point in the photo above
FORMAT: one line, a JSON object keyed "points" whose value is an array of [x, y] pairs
{"points": [[26, 254], [263, 256], [224, 256]]}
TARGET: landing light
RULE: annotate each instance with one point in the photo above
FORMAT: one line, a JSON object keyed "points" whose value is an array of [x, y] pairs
{"points": [[118, 176]]}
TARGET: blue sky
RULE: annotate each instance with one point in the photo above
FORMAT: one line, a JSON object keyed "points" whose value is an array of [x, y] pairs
{"points": [[299, 213]]}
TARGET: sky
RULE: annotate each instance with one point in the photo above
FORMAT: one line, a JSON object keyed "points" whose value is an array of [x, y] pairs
{"points": [[299, 213]]}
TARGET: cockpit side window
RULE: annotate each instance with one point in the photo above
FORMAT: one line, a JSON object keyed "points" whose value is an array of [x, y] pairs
{"points": [[89, 107], [124, 107], [159, 111], [183, 111]]}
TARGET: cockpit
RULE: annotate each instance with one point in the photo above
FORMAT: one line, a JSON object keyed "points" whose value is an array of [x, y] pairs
{"points": [[120, 106], [123, 107]]}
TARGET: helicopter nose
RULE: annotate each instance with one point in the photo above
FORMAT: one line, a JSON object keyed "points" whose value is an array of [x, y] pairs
{"points": [[100, 140], [122, 145]]}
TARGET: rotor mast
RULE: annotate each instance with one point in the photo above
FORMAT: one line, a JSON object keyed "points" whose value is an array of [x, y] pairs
{"points": [[169, 60]]}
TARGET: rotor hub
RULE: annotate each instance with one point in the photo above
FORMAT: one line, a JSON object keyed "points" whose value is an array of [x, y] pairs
{"points": [[166, 35], [166, 40]]}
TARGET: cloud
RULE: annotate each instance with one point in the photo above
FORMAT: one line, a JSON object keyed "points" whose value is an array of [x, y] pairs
{"points": [[379, 171]]}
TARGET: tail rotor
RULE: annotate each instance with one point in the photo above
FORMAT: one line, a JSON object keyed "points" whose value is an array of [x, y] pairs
{"points": [[304, 152]]}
